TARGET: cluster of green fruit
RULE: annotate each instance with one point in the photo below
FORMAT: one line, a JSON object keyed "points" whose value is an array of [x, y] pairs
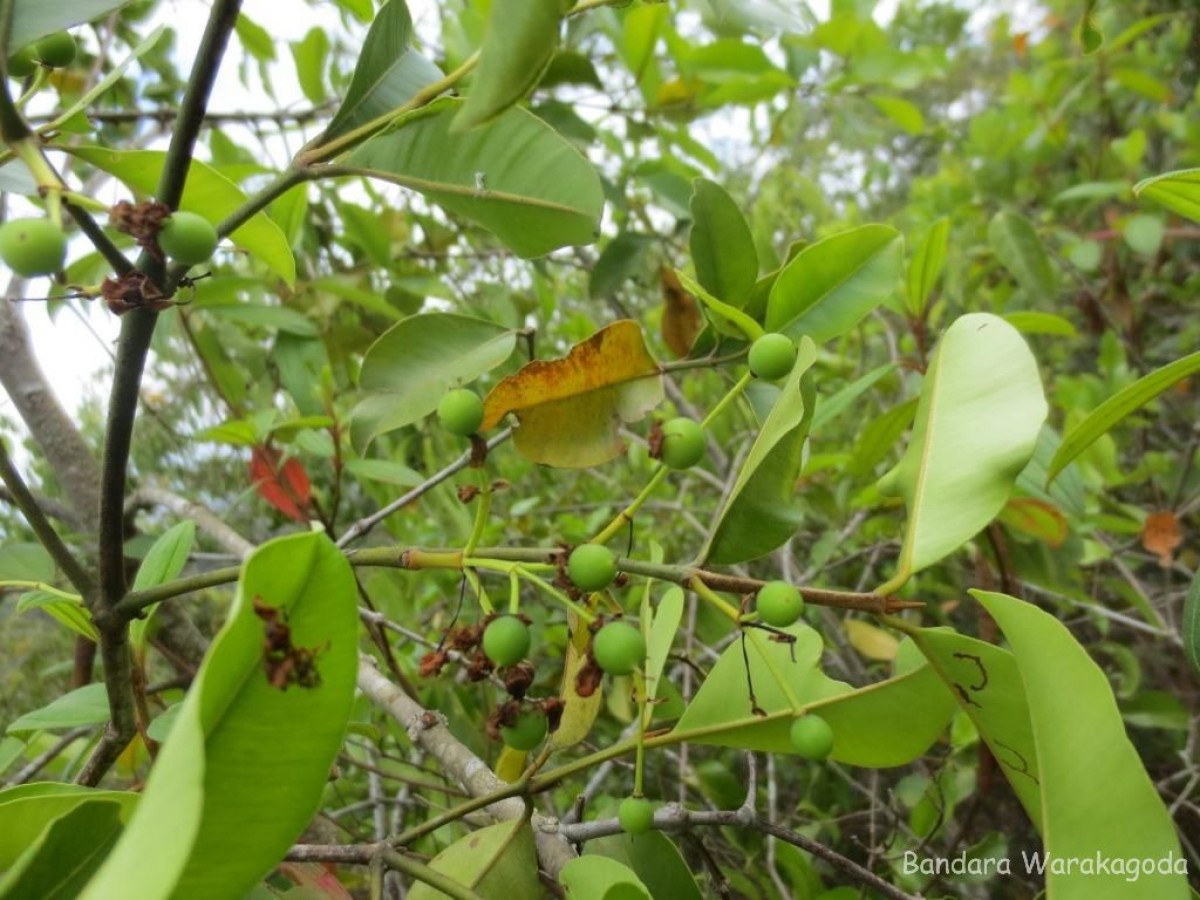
{"points": [[55, 51], [32, 247]]}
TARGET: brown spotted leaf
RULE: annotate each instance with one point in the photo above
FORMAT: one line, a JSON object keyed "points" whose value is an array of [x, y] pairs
{"points": [[1161, 535], [1037, 518], [570, 410], [681, 320]]}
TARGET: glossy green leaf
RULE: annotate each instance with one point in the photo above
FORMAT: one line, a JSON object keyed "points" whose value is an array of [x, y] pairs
{"points": [[977, 422], [1097, 799], [33, 19], [516, 176], [166, 558], [725, 317], [600, 878], [889, 723], [67, 609], [654, 859], [925, 269], [27, 809], [1177, 191], [1118, 407], [498, 863], [721, 245], [1189, 626], [87, 705], [1019, 249], [387, 75], [984, 682], [58, 863], [831, 286], [668, 613], [246, 762], [207, 192], [521, 38], [761, 511], [406, 372]]}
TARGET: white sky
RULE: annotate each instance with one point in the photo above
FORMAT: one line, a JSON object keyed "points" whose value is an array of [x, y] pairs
{"points": [[75, 347]]}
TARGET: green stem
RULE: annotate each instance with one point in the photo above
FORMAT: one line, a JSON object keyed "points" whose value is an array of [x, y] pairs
{"points": [[626, 515], [727, 400], [639, 766], [705, 592], [481, 517], [429, 876]]}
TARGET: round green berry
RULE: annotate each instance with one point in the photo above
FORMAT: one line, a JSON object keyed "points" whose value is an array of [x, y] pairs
{"points": [[618, 648], [506, 640], [592, 567], [56, 50], [772, 356], [23, 63], [636, 815], [32, 246], [461, 412], [779, 604], [527, 730], [812, 737], [188, 238], [682, 443]]}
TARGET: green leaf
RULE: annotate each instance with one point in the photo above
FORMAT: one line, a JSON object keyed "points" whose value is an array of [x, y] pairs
{"points": [[521, 38], [516, 176], [1116, 408], [984, 681], [829, 409], [654, 859], [387, 75], [58, 863], [889, 723], [246, 762], [66, 609], [600, 878], [761, 511], [1028, 321], [721, 245], [926, 267], [620, 259], [25, 561], [1019, 249], [831, 286], [665, 623], [903, 112], [207, 193], [1097, 800], [1144, 234], [406, 372], [310, 55], [255, 39], [1177, 191], [977, 422], [1189, 627], [87, 705], [1091, 38], [726, 318], [33, 19], [385, 470], [166, 557], [498, 862], [27, 809]]}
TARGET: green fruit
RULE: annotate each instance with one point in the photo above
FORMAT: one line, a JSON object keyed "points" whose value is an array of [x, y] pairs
{"points": [[636, 815], [506, 640], [618, 648], [772, 356], [32, 246], [188, 238], [592, 567], [527, 730], [23, 63], [56, 50], [682, 443], [461, 412], [779, 604], [812, 737]]}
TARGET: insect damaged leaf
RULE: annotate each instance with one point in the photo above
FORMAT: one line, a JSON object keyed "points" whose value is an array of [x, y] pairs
{"points": [[570, 410]]}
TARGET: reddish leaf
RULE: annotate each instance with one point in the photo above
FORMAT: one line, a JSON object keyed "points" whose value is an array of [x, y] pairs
{"points": [[285, 487], [1161, 535]]}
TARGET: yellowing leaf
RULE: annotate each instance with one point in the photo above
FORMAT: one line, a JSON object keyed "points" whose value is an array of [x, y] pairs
{"points": [[870, 641], [570, 409], [1037, 518], [579, 712]]}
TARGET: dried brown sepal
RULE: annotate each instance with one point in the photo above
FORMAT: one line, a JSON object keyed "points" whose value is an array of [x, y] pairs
{"points": [[621, 580], [432, 663], [464, 638], [134, 290], [501, 484], [479, 452], [518, 678], [467, 493], [503, 716], [654, 440], [285, 663], [479, 667], [142, 222]]}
